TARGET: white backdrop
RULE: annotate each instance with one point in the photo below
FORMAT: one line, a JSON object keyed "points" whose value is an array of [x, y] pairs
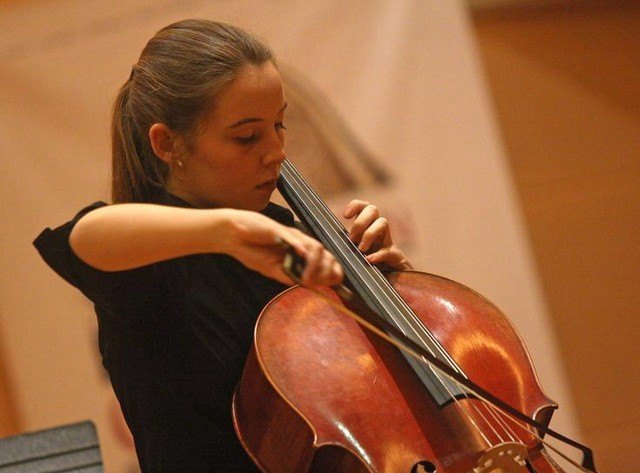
{"points": [[405, 76]]}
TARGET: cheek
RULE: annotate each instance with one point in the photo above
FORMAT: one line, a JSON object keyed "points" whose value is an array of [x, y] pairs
{"points": [[210, 162], [227, 167], [230, 173]]}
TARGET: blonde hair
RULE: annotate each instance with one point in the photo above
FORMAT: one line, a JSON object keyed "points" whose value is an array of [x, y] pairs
{"points": [[176, 81]]}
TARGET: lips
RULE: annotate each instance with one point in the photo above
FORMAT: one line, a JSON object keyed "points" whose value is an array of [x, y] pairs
{"points": [[268, 186]]}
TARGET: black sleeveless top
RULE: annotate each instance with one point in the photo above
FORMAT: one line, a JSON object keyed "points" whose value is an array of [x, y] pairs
{"points": [[173, 337]]}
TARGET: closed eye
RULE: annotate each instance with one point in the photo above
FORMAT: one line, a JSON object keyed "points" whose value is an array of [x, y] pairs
{"points": [[253, 137], [246, 140]]}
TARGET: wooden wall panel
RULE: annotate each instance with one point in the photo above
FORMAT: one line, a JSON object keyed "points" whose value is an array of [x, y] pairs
{"points": [[566, 86], [8, 414]]}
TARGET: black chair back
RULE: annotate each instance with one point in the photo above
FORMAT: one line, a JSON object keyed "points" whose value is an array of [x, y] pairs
{"points": [[66, 449]]}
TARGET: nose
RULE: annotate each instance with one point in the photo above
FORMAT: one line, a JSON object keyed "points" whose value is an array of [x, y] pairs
{"points": [[275, 152]]}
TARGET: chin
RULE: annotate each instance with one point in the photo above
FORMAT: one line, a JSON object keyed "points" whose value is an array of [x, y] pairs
{"points": [[261, 202], [263, 206], [257, 205]]}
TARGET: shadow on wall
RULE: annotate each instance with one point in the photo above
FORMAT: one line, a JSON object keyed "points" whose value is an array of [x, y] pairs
{"points": [[321, 144]]}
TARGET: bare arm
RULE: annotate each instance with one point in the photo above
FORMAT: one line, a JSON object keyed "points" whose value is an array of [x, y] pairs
{"points": [[126, 236]]}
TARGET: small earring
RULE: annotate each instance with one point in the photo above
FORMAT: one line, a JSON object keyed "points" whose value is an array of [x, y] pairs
{"points": [[180, 163]]}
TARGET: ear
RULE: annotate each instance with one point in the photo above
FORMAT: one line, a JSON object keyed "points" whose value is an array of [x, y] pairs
{"points": [[163, 142]]}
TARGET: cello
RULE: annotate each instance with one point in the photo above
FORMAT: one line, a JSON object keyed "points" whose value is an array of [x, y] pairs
{"points": [[454, 392]]}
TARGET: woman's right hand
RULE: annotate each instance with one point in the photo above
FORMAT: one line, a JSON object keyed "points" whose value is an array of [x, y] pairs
{"points": [[252, 239]]}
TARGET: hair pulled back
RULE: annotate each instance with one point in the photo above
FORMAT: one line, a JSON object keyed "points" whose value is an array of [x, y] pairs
{"points": [[176, 81]]}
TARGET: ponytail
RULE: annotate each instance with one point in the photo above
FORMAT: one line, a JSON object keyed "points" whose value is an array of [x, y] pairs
{"points": [[135, 171]]}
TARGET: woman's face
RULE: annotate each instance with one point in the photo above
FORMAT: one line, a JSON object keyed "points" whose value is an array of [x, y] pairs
{"points": [[237, 154]]}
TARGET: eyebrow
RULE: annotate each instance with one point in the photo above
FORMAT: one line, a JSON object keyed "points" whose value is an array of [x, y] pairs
{"points": [[251, 120]]}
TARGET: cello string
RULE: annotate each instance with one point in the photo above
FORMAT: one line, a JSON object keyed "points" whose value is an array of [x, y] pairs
{"points": [[417, 356], [534, 434], [504, 424], [331, 221]]}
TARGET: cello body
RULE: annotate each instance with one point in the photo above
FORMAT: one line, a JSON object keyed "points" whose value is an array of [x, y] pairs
{"points": [[321, 394]]}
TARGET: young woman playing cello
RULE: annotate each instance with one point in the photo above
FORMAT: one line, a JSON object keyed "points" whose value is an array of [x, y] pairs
{"points": [[181, 263]]}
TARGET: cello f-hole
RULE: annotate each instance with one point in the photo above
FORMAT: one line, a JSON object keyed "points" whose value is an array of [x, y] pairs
{"points": [[424, 467]]}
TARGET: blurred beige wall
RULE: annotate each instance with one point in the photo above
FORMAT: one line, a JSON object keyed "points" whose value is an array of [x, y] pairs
{"points": [[566, 85], [9, 422]]}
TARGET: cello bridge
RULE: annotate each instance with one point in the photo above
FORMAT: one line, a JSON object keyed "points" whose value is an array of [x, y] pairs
{"points": [[508, 457]]}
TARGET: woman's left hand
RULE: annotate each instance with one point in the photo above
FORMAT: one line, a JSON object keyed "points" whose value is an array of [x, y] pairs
{"points": [[371, 233]]}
